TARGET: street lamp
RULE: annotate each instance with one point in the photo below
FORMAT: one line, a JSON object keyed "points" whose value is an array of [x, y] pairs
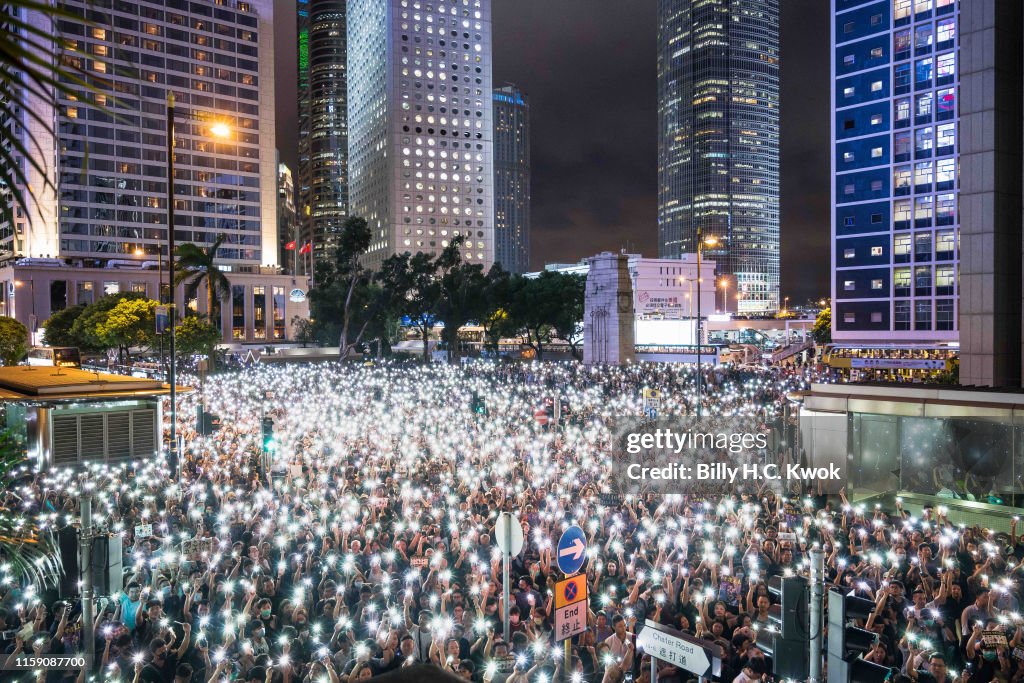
{"points": [[219, 130], [724, 284], [709, 241]]}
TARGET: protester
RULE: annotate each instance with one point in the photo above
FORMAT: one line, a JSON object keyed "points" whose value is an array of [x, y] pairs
{"points": [[366, 544]]}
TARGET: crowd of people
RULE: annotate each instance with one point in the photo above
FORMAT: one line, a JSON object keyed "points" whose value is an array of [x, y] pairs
{"points": [[366, 542]]}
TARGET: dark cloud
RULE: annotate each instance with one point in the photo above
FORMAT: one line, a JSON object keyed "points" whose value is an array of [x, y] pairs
{"points": [[588, 67]]}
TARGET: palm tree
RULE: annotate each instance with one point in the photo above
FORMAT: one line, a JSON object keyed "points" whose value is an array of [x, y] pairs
{"points": [[29, 553], [35, 64], [196, 264]]}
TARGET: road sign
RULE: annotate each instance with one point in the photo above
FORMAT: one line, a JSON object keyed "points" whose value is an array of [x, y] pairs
{"points": [[512, 542], [570, 620], [568, 591], [541, 416], [679, 649], [572, 550]]}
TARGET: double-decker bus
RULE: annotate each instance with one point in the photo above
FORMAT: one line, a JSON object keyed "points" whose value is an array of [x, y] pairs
{"points": [[891, 361]]}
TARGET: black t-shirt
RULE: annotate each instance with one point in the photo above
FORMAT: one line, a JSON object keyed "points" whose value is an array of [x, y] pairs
{"points": [[152, 673]]}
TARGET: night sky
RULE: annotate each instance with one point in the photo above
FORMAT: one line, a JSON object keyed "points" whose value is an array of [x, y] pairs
{"points": [[589, 69]]}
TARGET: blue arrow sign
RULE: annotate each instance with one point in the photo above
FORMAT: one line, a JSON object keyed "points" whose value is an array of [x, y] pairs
{"points": [[572, 550]]}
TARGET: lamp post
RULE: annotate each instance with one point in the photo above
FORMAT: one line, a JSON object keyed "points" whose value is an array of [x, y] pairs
{"points": [[172, 374], [220, 130], [710, 241]]}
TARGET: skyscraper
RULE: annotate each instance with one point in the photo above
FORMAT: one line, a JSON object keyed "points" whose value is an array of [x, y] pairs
{"points": [[718, 139], [511, 179], [420, 125], [895, 224], [109, 155], [287, 220], [323, 123]]}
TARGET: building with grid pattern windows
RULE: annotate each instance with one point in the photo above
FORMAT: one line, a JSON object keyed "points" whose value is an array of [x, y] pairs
{"points": [[895, 226], [323, 124], [110, 165], [420, 125], [512, 179], [718, 139]]}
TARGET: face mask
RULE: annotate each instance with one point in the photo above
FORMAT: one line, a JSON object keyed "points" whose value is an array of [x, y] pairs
{"points": [[265, 613], [989, 655]]}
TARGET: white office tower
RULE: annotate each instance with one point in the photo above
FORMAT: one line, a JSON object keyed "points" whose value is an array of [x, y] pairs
{"points": [[420, 125]]}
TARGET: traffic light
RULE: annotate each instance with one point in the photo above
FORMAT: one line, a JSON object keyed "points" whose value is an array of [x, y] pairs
{"points": [[788, 639], [846, 643], [268, 433], [476, 404]]}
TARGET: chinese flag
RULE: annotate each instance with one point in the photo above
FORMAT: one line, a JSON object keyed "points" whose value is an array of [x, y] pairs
{"points": [[290, 245], [306, 248]]}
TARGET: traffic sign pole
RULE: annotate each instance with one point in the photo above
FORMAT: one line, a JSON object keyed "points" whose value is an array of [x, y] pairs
{"points": [[817, 598], [505, 571], [567, 661]]}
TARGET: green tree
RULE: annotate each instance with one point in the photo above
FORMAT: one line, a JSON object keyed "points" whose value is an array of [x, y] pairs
{"points": [[348, 302], [31, 552], [409, 281], [305, 330], [196, 265], [495, 318], [822, 330], [567, 321], [131, 322], [538, 305], [13, 341], [59, 325], [83, 329], [461, 295], [195, 336]]}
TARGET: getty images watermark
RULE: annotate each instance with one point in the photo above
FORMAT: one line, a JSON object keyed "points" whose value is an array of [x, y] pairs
{"points": [[715, 455]]}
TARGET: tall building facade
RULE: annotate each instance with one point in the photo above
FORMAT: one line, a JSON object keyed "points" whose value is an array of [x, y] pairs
{"points": [[895, 219], [991, 185], [420, 125], [718, 139], [287, 221], [323, 123], [106, 156], [512, 179]]}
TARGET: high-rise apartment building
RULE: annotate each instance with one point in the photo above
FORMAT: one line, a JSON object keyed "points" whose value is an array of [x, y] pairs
{"points": [[512, 179], [420, 125], [323, 123], [895, 223], [107, 154], [718, 139]]}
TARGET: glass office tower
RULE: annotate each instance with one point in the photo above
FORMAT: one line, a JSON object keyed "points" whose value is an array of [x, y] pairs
{"points": [[718, 139], [323, 124], [512, 179]]}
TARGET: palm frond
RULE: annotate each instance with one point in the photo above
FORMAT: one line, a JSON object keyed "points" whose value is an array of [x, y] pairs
{"points": [[31, 67]]}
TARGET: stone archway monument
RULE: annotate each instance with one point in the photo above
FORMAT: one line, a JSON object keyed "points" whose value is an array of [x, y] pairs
{"points": [[608, 315]]}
